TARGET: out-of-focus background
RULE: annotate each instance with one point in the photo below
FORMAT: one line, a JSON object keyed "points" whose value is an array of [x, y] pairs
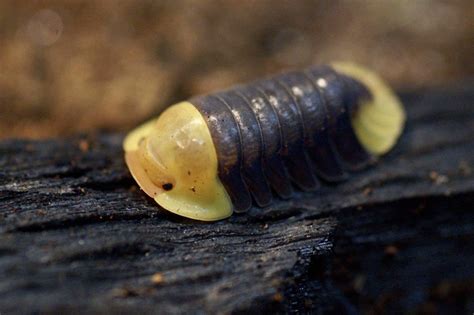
{"points": [[77, 66]]}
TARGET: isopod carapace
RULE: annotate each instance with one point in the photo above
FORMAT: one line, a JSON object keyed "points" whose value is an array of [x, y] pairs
{"points": [[222, 152]]}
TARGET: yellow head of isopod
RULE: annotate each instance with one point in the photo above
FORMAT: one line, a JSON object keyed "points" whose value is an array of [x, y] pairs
{"points": [[174, 161]]}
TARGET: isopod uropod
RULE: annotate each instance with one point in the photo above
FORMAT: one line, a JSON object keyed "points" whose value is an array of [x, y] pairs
{"points": [[211, 155]]}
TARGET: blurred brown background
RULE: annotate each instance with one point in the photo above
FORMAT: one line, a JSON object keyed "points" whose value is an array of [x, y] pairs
{"points": [[69, 66]]}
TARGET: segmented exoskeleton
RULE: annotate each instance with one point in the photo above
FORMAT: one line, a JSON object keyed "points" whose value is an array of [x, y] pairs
{"points": [[292, 128]]}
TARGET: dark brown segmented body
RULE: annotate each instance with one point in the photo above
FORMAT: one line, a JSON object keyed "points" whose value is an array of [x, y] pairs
{"points": [[293, 128]]}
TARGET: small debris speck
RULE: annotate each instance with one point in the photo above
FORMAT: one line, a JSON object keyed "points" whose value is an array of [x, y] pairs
{"points": [[391, 250], [465, 168], [359, 282], [157, 278], [278, 297], [437, 178], [367, 191], [123, 292], [84, 145]]}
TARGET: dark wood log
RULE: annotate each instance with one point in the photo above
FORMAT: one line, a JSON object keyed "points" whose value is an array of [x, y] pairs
{"points": [[77, 235]]}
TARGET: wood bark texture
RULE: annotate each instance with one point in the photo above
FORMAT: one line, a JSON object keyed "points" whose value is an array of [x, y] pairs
{"points": [[78, 236]]}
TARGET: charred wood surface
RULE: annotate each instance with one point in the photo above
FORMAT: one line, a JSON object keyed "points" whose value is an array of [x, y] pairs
{"points": [[77, 235]]}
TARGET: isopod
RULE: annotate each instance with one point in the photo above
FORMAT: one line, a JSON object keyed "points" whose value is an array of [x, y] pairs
{"points": [[255, 143]]}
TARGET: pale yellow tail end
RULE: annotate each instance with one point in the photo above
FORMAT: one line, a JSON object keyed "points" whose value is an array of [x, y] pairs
{"points": [[379, 122]]}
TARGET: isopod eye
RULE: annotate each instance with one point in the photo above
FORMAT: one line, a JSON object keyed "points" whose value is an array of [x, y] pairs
{"points": [[167, 186], [174, 161], [379, 121]]}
